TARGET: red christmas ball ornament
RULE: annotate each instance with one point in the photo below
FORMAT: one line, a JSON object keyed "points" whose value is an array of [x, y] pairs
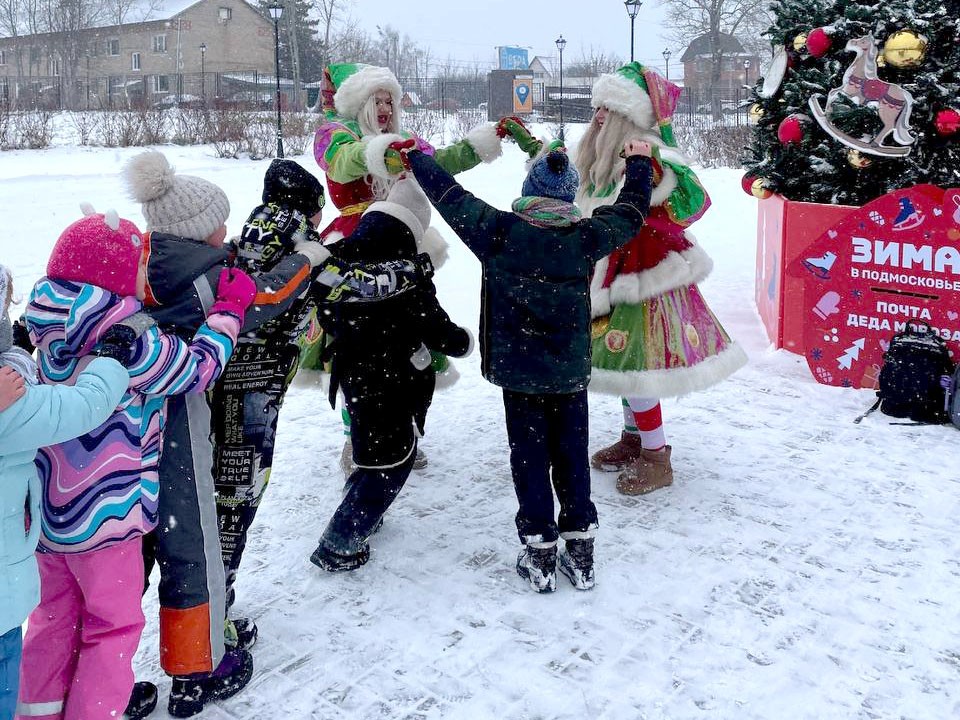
{"points": [[818, 42], [947, 122], [746, 182], [791, 129]]}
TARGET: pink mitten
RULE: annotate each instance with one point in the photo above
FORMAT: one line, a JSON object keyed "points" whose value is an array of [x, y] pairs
{"points": [[235, 293]]}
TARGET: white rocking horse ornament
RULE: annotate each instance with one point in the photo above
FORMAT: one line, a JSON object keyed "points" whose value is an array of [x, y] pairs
{"points": [[862, 86]]}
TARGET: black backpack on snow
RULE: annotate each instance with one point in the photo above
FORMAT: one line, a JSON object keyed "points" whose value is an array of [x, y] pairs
{"points": [[913, 379]]}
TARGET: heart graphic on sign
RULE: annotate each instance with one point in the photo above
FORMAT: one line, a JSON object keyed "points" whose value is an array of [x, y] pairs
{"points": [[885, 281]]}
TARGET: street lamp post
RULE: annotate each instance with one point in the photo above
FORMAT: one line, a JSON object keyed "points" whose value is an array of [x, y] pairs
{"points": [[561, 44], [666, 57], [276, 10], [633, 7], [203, 77], [746, 71]]}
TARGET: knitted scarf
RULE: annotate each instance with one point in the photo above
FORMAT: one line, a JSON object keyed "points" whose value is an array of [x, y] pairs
{"points": [[546, 212]]}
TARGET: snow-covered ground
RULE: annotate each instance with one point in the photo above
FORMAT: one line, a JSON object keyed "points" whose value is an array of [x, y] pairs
{"points": [[801, 566]]}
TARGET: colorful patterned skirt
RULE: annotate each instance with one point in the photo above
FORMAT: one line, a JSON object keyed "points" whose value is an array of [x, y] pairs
{"points": [[664, 346]]}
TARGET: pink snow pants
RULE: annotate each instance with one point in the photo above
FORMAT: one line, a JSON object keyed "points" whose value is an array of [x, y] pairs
{"points": [[80, 641]]}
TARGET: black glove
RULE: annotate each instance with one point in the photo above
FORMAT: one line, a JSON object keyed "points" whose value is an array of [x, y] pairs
{"points": [[424, 266], [117, 343], [21, 336]]}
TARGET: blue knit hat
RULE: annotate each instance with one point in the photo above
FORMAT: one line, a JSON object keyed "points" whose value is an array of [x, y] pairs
{"points": [[552, 176]]}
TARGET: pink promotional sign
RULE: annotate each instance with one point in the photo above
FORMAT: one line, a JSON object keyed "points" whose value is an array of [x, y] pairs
{"points": [[894, 261]]}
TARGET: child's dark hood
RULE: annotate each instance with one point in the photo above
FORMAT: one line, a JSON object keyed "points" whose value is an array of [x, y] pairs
{"points": [[173, 263]]}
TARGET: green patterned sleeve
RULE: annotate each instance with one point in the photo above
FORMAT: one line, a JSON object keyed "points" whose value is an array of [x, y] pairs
{"points": [[346, 160]]}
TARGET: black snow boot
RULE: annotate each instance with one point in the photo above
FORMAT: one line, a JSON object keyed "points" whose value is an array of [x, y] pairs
{"points": [[576, 562], [538, 566], [240, 633], [190, 693], [332, 561], [143, 700]]}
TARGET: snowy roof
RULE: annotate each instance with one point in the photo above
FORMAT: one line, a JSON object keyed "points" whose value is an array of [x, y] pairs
{"points": [[703, 45], [147, 11], [153, 10]]}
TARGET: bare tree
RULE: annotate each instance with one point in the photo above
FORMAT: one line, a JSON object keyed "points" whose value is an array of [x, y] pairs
{"points": [[593, 62], [690, 19], [332, 14]]}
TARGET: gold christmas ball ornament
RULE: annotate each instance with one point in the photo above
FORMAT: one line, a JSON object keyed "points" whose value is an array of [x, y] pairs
{"points": [[858, 159], [755, 113], [759, 189], [905, 49], [800, 42]]}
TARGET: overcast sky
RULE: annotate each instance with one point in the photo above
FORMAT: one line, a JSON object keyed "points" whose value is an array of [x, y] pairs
{"points": [[469, 30]]}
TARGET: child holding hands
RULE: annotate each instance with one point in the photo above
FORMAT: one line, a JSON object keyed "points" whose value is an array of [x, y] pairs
{"points": [[535, 337], [30, 415], [99, 492]]}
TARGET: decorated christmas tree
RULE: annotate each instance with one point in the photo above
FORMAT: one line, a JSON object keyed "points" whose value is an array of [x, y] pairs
{"points": [[860, 99]]}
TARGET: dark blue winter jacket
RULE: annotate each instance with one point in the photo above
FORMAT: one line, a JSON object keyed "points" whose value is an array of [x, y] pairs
{"points": [[535, 296]]}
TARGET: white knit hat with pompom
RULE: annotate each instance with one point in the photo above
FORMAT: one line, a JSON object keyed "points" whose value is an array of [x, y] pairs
{"points": [[182, 205]]}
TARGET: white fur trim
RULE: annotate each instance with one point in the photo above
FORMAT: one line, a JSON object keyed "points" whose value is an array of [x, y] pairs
{"points": [[676, 270], [354, 91], [485, 141], [448, 377], [400, 213], [376, 147], [669, 383], [434, 245], [617, 93], [470, 345], [599, 296], [668, 183], [690, 267]]}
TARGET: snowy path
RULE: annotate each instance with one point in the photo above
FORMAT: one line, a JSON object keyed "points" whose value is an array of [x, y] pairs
{"points": [[800, 567]]}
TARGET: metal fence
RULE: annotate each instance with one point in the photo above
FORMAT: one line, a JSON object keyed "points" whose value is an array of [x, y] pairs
{"points": [[694, 108], [116, 92], [251, 89]]}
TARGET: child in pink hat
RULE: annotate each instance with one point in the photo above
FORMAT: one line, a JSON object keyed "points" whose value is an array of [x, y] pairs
{"points": [[99, 492]]}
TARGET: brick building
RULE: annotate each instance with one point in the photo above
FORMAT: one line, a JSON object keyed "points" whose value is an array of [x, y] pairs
{"points": [[737, 66], [149, 57]]}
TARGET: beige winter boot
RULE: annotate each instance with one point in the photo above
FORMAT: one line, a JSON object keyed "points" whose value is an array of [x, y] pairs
{"points": [[619, 455], [651, 471]]}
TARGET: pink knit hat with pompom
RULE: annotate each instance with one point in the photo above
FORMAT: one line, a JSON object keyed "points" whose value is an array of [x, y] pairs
{"points": [[99, 249]]}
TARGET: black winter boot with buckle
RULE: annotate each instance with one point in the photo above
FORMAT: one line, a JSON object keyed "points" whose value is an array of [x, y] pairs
{"points": [[576, 562], [240, 633], [538, 566], [190, 693], [143, 700]]}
